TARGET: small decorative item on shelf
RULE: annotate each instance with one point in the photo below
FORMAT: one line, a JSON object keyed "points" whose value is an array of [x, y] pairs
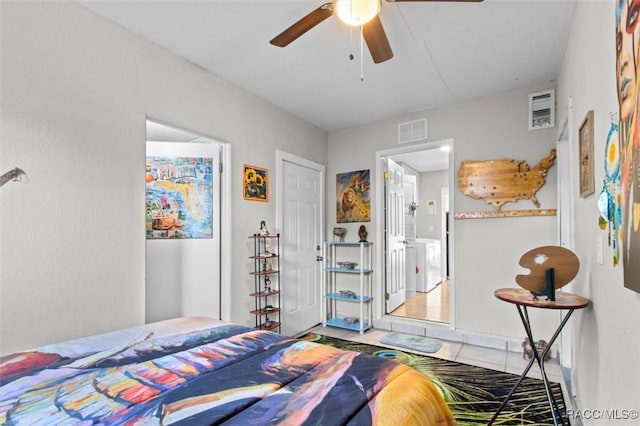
{"points": [[362, 233], [347, 265], [339, 232], [347, 293], [264, 231], [351, 320], [267, 285]]}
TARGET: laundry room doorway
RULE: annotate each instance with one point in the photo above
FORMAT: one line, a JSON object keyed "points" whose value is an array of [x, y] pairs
{"points": [[428, 283]]}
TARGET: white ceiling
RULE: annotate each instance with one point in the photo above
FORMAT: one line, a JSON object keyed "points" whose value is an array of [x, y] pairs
{"points": [[443, 52], [160, 132], [429, 160]]}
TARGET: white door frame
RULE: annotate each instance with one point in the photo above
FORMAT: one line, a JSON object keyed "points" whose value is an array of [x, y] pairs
{"points": [[281, 158], [379, 302], [567, 151], [225, 234]]}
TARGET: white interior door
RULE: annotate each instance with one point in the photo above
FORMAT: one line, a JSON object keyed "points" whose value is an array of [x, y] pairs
{"points": [[395, 237], [302, 233]]}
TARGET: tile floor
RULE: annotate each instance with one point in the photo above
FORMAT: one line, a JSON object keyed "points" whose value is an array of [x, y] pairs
{"points": [[511, 362]]}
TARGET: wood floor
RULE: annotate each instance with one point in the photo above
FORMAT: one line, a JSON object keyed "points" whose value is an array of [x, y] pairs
{"points": [[431, 306]]}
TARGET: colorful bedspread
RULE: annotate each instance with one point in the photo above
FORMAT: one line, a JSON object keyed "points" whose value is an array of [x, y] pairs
{"points": [[223, 374]]}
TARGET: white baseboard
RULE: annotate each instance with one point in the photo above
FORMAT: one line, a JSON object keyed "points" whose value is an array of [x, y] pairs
{"points": [[445, 332]]}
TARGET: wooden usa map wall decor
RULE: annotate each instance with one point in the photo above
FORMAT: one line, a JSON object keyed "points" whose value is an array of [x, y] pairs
{"points": [[498, 182]]}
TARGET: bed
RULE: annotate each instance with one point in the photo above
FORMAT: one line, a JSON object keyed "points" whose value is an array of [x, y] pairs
{"points": [[203, 371]]}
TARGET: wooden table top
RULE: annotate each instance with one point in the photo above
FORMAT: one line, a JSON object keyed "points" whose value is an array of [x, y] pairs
{"points": [[520, 296]]}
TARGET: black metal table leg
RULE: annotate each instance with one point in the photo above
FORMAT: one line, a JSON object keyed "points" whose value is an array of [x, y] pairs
{"points": [[539, 358]]}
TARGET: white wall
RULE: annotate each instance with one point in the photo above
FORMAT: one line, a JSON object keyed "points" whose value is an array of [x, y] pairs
{"points": [[75, 92], [487, 251], [607, 334], [431, 184]]}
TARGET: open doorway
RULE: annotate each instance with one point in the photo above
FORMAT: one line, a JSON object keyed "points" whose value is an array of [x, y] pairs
{"points": [[426, 182], [184, 262]]}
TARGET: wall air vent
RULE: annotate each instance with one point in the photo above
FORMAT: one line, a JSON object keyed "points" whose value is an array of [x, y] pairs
{"points": [[542, 108], [412, 131]]}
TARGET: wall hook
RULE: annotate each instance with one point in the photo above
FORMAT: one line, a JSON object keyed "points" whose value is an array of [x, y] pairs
{"points": [[14, 174]]}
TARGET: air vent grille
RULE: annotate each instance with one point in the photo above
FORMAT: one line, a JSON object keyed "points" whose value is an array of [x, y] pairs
{"points": [[412, 131], [542, 107]]}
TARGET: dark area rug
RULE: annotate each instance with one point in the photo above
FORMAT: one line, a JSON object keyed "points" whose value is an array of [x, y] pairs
{"points": [[472, 393]]}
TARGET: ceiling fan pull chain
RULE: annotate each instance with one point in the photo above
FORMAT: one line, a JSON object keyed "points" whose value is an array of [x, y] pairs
{"points": [[361, 54], [351, 55]]}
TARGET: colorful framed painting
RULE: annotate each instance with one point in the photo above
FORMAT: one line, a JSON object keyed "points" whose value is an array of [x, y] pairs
{"points": [[179, 197], [585, 136], [626, 36], [353, 203], [255, 183]]}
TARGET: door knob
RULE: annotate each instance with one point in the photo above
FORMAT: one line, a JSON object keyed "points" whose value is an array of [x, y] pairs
{"points": [[319, 258]]}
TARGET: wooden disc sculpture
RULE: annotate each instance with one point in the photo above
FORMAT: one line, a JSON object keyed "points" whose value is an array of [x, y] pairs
{"points": [[563, 263]]}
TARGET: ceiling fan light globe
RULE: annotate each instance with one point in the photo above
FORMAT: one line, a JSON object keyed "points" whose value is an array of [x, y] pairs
{"points": [[356, 12]]}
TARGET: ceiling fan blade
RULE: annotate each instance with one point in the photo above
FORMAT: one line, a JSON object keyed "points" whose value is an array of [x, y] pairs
{"points": [[303, 25], [450, 1], [377, 41]]}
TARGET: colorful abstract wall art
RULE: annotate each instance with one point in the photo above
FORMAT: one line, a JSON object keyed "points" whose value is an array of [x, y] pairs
{"points": [[609, 201], [627, 51], [352, 197], [179, 197], [255, 183]]}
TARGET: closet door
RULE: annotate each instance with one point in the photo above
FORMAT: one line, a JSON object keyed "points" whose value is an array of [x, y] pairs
{"points": [[300, 209]]}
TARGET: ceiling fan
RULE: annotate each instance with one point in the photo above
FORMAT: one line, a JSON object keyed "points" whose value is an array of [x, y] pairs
{"points": [[359, 13]]}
